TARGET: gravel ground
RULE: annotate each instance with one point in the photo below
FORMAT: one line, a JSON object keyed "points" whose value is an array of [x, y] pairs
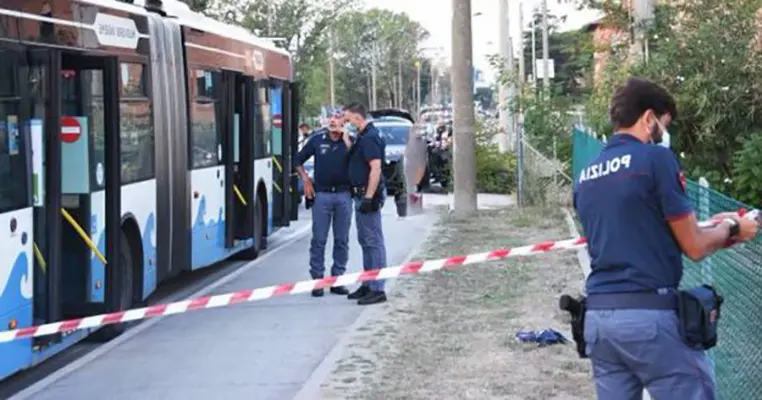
{"points": [[450, 334]]}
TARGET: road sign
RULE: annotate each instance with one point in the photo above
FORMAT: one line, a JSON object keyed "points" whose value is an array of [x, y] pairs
{"points": [[541, 70], [70, 129]]}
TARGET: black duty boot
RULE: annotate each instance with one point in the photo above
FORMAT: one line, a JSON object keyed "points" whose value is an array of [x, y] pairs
{"points": [[359, 293], [372, 298], [340, 290], [317, 292]]}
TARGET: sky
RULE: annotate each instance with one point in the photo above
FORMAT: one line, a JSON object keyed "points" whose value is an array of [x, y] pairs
{"points": [[436, 17]]}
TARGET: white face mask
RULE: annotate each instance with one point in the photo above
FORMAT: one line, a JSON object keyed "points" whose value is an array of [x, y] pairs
{"points": [[664, 139]]}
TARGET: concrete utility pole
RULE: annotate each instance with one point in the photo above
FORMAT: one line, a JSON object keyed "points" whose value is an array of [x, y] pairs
{"points": [[399, 83], [373, 77], [505, 137], [461, 81], [331, 69], [534, 51], [418, 102], [545, 51], [522, 67], [642, 15]]}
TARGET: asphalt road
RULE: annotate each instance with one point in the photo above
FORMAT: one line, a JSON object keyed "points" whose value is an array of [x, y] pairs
{"points": [[262, 350]]}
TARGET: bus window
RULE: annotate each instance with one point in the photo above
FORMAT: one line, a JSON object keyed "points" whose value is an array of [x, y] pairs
{"points": [[94, 107], [13, 174], [205, 135], [262, 134], [136, 124], [276, 110]]}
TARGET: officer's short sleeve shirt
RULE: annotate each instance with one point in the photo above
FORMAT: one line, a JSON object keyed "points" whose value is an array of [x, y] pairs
{"points": [[330, 168], [369, 146], [624, 200]]}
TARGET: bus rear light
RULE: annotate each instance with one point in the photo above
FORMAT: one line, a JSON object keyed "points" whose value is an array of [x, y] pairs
{"points": [[13, 324]]}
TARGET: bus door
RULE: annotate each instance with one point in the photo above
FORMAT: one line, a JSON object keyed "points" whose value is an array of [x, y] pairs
{"points": [[89, 172], [22, 285], [291, 104], [238, 151], [280, 157]]}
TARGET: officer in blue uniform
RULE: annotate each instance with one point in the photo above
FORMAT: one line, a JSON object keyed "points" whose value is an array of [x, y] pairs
{"points": [[639, 222], [369, 193], [331, 199]]}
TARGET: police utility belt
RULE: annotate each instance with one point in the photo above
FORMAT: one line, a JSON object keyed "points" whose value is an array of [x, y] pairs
{"points": [[332, 189], [698, 312], [359, 191]]}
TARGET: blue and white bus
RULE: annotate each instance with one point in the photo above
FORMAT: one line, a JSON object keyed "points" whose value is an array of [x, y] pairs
{"points": [[137, 140]]}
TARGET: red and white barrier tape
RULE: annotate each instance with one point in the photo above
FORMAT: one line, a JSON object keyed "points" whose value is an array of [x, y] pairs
{"points": [[243, 296]]}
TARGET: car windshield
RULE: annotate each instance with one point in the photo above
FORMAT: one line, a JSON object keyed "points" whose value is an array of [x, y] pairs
{"points": [[394, 134]]}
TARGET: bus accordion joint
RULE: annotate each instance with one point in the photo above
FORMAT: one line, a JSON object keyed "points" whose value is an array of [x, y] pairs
{"points": [[40, 259], [239, 195], [84, 236], [277, 164]]}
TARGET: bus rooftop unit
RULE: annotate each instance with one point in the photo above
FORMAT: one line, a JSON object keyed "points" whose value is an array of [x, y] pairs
{"points": [[137, 141]]}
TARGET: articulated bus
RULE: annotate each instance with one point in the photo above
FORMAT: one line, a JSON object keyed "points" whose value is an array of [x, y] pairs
{"points": [[137, 140]]}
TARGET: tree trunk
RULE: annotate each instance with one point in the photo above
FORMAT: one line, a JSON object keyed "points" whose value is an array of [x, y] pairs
{"points": [[461, 83]]}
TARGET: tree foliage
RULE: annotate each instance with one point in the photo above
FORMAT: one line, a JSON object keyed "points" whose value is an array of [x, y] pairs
{"points": [[708, 55], [572, 52], [388, 39]]}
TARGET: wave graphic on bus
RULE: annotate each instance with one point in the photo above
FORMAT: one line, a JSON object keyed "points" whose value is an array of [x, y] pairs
{"points": [[208, 237], [15, 291]]}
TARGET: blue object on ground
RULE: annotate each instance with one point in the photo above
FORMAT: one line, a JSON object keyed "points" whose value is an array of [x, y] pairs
{"points": [[544, 337]]}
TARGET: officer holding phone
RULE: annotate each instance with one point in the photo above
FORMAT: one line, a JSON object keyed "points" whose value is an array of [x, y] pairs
{"points": [[639, 223], [369, 193], [329, 197]]}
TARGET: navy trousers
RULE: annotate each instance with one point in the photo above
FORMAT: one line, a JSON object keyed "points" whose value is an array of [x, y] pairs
{"points": [[330, 210], [370, 235], [636, 349]]}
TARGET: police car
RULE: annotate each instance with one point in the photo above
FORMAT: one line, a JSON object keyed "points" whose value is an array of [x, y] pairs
{"points": [[395, 127]]}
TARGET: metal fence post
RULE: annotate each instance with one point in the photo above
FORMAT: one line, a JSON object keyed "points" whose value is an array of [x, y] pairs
{"points": [[520, 162]]}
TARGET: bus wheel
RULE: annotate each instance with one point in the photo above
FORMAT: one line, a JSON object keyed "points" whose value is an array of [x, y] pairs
{"points": [[109, 332], [253, 251], [259, 225]]}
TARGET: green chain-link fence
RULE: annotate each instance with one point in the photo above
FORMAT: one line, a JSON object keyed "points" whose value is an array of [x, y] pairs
{"points": [[737, 275]]}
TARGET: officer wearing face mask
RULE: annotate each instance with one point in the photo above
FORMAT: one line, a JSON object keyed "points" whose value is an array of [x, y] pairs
{"points": [[639, 223], [369, 192]]}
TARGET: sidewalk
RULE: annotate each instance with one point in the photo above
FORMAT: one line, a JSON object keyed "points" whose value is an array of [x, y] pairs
{"points": [[483, 200], [261, 350]]}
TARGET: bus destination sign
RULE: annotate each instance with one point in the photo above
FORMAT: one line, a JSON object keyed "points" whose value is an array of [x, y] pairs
{"points": [[116, 31]]}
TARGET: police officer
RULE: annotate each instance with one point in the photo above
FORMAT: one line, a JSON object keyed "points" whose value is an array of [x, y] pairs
{"points": [[369, 192], [332, 204], [639, 222]]}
